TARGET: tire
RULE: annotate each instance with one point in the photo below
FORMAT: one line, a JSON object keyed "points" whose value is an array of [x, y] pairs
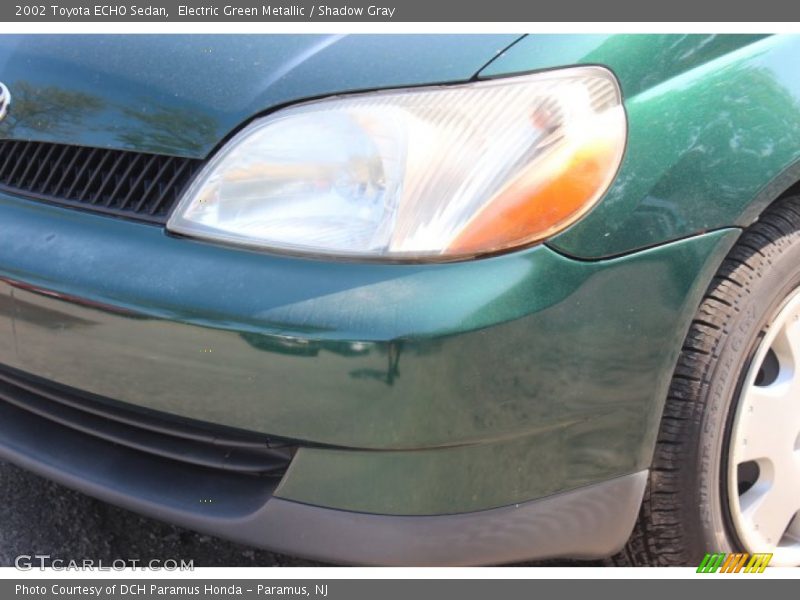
{"points": [[690, 504]]}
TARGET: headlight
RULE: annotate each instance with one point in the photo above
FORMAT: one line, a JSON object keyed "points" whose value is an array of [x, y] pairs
{"points": [[427, 173]]}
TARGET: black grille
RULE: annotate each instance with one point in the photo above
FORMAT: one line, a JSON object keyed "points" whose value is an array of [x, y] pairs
{"points": [[154, 433], [117, 182]]}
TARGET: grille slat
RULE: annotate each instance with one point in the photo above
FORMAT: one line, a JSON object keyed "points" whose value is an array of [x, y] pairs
{"points": [[59, 161], [133, 161], [166, 189], [81, 170], [86, 194], [131, 196], [30, 161], [23, 160], [42, 165], [7, 162], [65, 174], [157, 434], [152, 185], [110, 174], [115, 182]]}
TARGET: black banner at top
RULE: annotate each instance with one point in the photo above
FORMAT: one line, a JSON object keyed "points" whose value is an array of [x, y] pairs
{"points": [[398, 11]]}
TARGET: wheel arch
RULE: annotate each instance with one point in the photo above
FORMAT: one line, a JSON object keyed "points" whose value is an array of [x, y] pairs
{"points": [[787, 183]]}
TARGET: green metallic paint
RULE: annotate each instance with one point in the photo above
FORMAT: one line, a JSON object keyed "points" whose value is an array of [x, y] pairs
{"points": [[178, 94], [584, 380], [462, 478], [640, 61], [714, 119], [529, 355], [482, 383], [714, 131], [136, 266]]}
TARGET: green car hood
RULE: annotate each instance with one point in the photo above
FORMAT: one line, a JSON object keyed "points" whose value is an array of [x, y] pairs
{"points": [[182, 95], [713, 120]]}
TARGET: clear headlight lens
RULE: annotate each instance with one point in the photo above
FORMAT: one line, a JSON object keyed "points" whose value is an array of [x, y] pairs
{"points": [[437, 173]]}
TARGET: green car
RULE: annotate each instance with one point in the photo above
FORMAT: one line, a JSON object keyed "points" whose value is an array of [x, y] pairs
{"points": [[410, 300]]}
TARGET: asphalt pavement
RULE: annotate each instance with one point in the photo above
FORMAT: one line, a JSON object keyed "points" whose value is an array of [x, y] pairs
{"points": [[38, 516]]}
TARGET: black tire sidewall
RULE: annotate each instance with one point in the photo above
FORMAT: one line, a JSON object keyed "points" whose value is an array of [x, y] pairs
{"points": [[759, 301]]}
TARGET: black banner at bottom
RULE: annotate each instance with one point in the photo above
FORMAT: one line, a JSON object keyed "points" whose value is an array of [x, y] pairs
{"points": [[732, 586]]}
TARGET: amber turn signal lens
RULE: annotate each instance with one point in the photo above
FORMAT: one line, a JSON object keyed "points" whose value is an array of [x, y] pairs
{"points": [[547, 197]]}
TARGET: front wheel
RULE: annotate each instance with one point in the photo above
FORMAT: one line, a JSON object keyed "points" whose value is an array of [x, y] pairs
{"points": [[726, 471]]}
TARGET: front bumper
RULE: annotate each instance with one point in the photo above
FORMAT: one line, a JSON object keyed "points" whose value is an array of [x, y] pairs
{"points": [[411, 390], [591, 522]]}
